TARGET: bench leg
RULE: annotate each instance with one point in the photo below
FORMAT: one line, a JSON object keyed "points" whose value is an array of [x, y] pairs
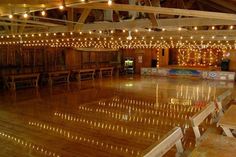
{"points": [[179, 148], [227, 132]]}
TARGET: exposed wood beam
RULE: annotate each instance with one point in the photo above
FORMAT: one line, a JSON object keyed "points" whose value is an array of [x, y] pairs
{"points": [[146, 23], [225, 4], [82, 19], [29, 21], [22, 28], [19, 24], [70, 15], [215, 6], [160, 10], [152, 16]]}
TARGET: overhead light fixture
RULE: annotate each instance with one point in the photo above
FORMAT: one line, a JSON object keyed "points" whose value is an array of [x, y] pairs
{"points": [[109, 2]]}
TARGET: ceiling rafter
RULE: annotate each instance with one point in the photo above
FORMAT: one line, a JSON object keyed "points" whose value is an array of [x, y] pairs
{"points": [[160, 10]]}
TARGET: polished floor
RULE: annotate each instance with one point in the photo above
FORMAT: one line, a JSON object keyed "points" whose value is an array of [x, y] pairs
{"points": [[109, 117]]}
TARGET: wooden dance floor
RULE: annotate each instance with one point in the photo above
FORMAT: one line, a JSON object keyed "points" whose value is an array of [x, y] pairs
{"points": [[102, 118]]}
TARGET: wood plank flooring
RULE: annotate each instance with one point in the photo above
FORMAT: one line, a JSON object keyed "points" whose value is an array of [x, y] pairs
{"points": [[102, 118]]}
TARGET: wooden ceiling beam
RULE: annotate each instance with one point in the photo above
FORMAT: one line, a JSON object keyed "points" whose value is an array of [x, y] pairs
{"points": [[29, 21], [225, 4], [160, 10], [146, 23], [152, 16], [82, 19], [215, 6]]}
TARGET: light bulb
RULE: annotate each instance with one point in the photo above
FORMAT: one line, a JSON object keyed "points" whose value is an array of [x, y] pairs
{"points": [[25, 15], [61, 7], [10, 16], [109, 2], [43, 13]]}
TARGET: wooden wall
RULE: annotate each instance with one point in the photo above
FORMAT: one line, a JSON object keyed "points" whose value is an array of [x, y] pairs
{"points": [[232, 57]]}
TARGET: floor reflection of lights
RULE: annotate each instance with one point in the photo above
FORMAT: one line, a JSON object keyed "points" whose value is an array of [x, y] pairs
{"points": [[87, 140], [29, 145]]}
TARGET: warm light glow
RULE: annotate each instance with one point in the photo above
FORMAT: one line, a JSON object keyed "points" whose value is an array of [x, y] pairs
{"points": [[109, 2], [10, 16], [136, 30], [149, 29], [179, 28], [213, 27], [163, 29], [43, 13], [231, 27], [25, 15], [61, 7], [195, 28]]}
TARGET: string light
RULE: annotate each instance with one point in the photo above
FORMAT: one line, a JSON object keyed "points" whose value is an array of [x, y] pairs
{"points": [[43, 13], [10, 16], [109, 2], [25, 15]]}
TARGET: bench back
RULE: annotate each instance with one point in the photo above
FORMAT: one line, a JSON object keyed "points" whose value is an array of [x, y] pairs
{"points": [[200, 116], [161, 147], [223, 100]]}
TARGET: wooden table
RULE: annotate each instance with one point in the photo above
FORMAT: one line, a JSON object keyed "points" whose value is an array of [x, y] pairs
{"points": [[228, 121], [24, 79], [59, 76], [215, 145], [108, 71]]}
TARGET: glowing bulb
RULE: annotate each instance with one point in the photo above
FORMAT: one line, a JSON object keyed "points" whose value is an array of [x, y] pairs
{"points": [[179, 28], [25, 15], [109, 2], [10, 16], [213, 27], [163, 29], [43, 13], [231, 27], [61, 7], [195, 28]]}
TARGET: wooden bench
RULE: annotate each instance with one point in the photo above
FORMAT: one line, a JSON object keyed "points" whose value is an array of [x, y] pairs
{"points": [[108, 71], [200, 116], [212, 144], [84, 74], [160, 148], [223, 101], [25, 80], [58, 77]]}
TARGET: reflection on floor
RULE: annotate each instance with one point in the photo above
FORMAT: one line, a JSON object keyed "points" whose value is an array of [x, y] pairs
{"points": [[119, 117]]}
